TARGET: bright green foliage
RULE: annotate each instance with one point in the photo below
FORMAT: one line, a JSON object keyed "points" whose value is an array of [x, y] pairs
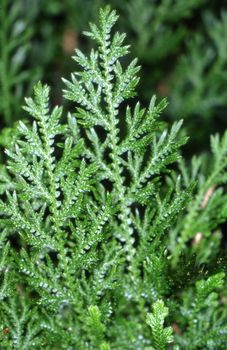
{"points": [[97, 329], [87, 213], [161, 335], [99, 91]]}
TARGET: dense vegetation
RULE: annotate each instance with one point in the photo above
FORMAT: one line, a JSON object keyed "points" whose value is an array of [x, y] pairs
{"points": [[112, 236]]}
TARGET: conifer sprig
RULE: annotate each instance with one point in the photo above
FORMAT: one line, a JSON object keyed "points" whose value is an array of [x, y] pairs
{"points": [[99, 90], [161, 335]]}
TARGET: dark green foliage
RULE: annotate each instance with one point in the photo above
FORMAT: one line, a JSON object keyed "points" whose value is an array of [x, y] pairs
{"points": [[199, 93], [209, 202], [15, 79]]}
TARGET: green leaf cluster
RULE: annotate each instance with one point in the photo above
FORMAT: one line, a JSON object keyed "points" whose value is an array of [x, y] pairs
{"points": [[91, 208]]}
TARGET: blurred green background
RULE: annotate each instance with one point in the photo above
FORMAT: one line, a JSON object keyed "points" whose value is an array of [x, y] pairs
{"points": [[181, 46]]}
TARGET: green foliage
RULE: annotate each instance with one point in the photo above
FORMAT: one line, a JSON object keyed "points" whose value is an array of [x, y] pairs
{"points": [[99, 91], [23, 324], [4, 266], [90, 208], [15, 79], [97, 329], [161, 336], [167, 36], [209, 202], [198, 92], [153, 23], [202, 310]]}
